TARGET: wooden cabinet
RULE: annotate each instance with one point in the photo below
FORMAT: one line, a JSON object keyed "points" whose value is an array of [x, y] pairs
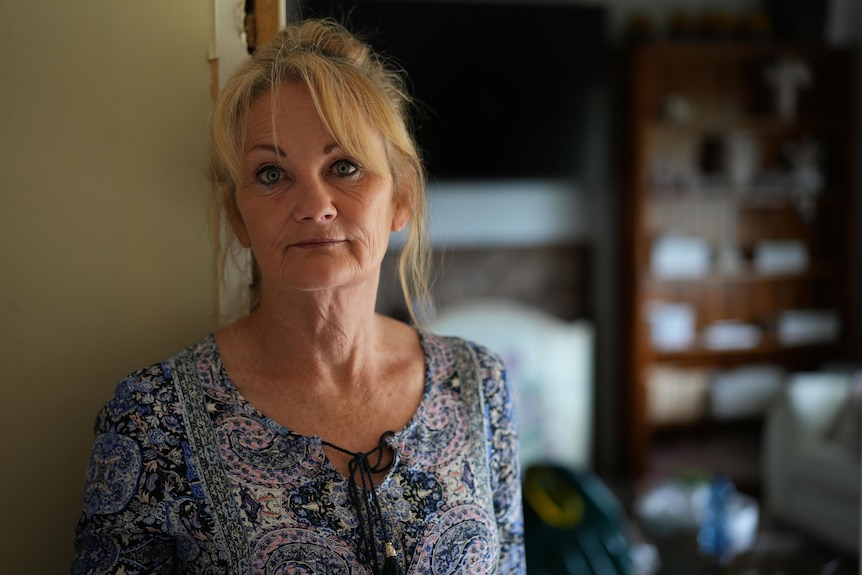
{"points": [[737, 235]]}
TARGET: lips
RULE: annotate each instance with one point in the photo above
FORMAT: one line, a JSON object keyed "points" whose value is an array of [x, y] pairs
{"points": [[316, 243]]}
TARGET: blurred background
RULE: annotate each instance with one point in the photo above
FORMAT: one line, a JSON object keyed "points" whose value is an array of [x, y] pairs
{"points": [[650, 208]]}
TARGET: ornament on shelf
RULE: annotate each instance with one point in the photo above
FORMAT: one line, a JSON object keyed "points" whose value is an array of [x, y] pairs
{"points": [[678, 109], [730, 158], [742, 159], [805, 178], [787, 76]]}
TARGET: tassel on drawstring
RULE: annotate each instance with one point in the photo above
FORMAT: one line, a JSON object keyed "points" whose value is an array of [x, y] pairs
{"points": [[391, 566], [363, 496]]}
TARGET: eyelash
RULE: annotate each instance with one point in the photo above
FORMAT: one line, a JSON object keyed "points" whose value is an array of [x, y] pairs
{"points": [[259, 174], [355, 168]]}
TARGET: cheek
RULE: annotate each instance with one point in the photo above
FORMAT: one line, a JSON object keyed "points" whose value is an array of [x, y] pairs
{"points": [[265, 233], [259, 224], [386, 220]]}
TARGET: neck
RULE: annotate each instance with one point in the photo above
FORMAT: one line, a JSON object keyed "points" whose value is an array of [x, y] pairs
{"points": [[328, 337]]}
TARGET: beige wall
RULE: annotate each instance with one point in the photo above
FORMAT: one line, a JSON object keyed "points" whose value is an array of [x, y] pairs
{"points": [[105, 262]]}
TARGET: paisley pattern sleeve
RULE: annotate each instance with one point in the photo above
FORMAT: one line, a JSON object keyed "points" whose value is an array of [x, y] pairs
{"points": [[503, 455], [142, 510]]}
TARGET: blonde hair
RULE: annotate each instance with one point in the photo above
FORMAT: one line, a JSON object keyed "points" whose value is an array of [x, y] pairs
{"points": [[347, 80]]}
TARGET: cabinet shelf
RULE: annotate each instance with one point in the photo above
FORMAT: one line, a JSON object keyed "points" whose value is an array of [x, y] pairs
{"points": [[709, 425], [766, 197], [687, 104], [763, 124], [817, 272], [770, 348]]}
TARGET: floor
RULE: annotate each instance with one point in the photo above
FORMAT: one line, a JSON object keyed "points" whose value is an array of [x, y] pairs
{"points": [[777, 550]]}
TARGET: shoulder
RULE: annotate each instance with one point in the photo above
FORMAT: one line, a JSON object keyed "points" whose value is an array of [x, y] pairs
{"points": [[445, 355], [449, 347], [143, 486], [150, 391], [140, 430]]}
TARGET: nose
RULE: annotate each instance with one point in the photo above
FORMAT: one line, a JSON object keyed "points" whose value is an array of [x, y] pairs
{"points": [[313, 201]]}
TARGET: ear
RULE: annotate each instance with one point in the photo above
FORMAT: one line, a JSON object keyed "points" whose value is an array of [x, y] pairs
{"points": [[400, 216], [235, 219], [402, 200]]}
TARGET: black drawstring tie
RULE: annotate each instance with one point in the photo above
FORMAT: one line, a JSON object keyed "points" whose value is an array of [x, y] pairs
{"points": [[363, 496]]}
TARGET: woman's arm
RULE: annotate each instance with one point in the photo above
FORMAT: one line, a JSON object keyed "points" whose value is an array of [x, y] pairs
{"points": [[139, 508], [504, 462]]}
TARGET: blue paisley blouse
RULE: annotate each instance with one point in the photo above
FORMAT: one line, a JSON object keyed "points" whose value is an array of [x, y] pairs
{"points": [[185, 476]]}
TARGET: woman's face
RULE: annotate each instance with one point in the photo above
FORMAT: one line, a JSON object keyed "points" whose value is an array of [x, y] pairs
{"points": [[314, 217]]}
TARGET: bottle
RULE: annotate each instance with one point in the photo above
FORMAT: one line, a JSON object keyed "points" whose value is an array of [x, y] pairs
{"points": [[713, 536]]}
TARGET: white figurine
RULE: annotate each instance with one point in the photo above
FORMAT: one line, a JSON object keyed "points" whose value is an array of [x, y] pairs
{"points": [[806, 179], [786, 76]]}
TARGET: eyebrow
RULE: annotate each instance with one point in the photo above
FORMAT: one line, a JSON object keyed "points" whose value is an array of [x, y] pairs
{"points": [[269, 148], [280, 153]]}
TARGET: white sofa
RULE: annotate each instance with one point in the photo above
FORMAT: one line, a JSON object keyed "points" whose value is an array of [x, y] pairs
{"points": [[811, 476], [549, 364]]}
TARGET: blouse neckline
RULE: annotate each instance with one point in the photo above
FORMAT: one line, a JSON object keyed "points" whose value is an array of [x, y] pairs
{"points": [[437, 370]]}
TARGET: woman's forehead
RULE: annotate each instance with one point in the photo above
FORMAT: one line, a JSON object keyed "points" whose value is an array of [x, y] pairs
{"points": [[276, 111], [279, 110]]}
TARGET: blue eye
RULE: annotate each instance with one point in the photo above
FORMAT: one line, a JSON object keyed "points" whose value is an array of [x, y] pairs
{"points": [[344, 168], [269, 175]]}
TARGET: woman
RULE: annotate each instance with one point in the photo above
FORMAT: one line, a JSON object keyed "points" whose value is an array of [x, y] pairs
{"points": [[312, 435]]}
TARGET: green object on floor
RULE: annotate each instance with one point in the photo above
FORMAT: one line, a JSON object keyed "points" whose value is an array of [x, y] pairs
{"points": [[573, 524]]}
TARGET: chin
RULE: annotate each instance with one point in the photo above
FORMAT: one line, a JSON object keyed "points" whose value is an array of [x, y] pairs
{"points": [[323, 279]]}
